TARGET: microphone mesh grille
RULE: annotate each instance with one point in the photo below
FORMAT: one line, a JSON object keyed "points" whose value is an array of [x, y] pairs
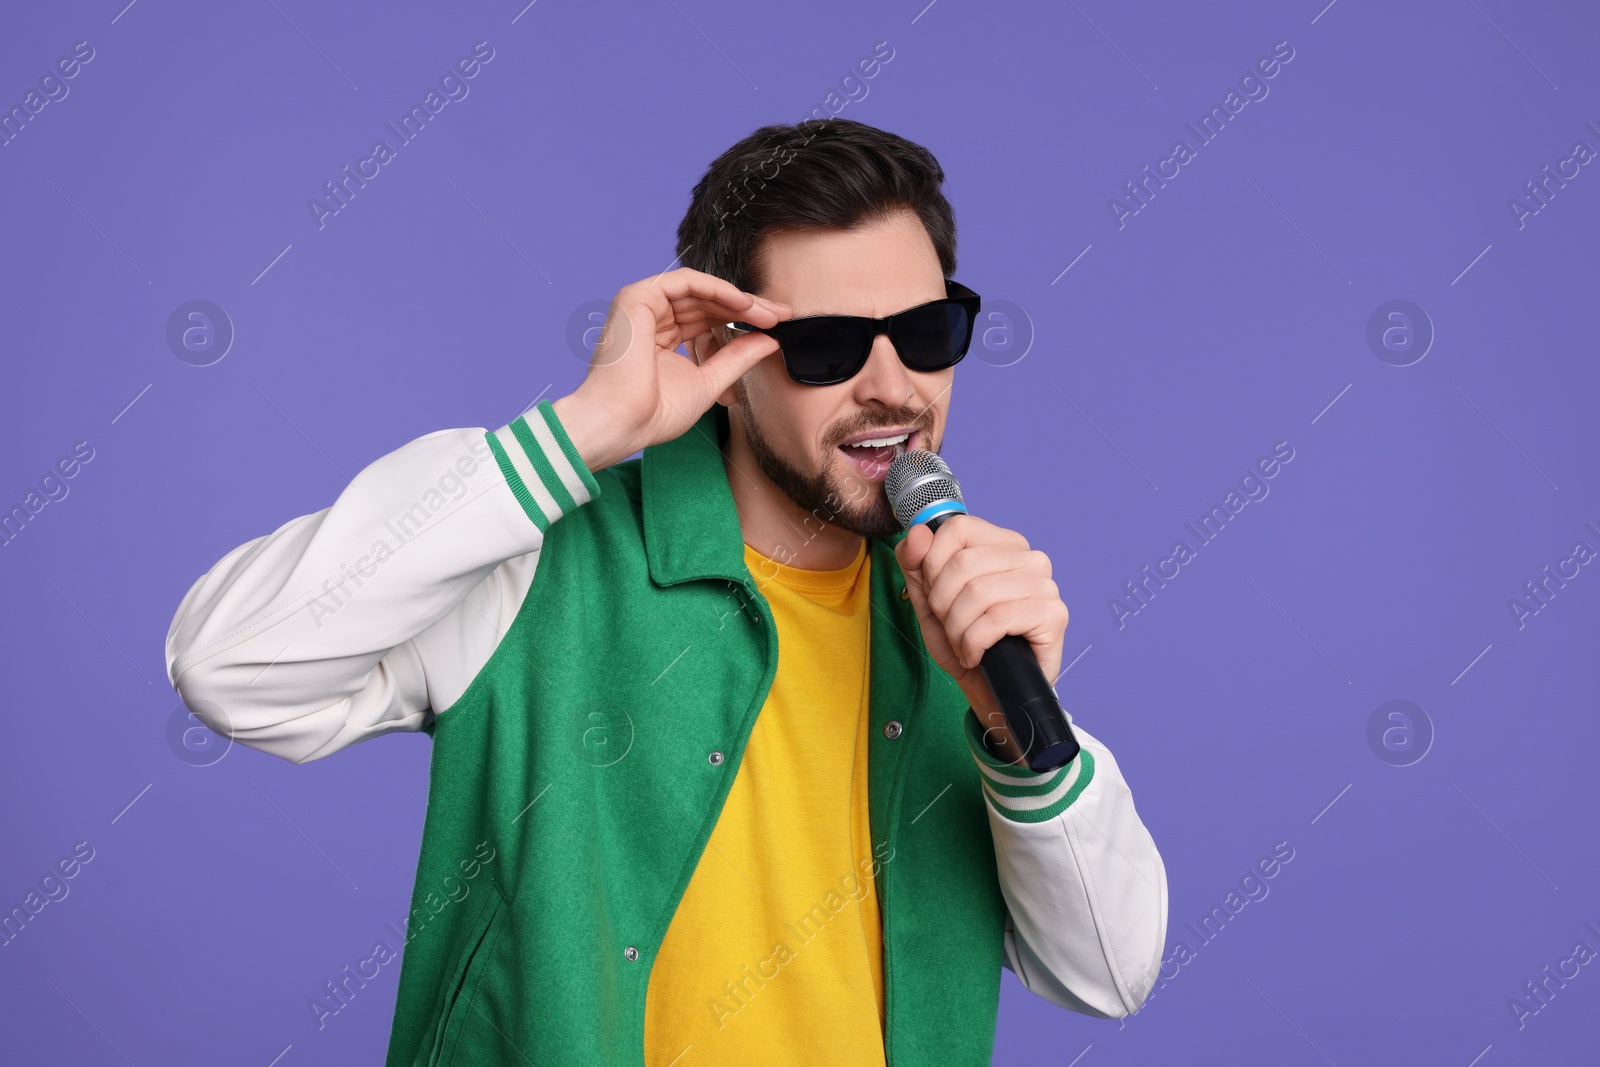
{"points": [[917, 479]]}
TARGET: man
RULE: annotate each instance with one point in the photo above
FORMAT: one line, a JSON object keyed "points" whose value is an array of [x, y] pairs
{"points": [[716, 777]]}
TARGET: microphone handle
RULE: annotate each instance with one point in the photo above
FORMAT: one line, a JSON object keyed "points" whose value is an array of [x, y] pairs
{"points": [[1033, 714]]}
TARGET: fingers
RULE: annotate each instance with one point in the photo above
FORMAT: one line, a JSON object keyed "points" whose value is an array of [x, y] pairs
{"points": [[691, 293], [983, 582], [922, 549], [1041, 621], [690, 319], [975, 561], [730, 362], [992, 605], [720, 310], [913, 549], [962, 531]]}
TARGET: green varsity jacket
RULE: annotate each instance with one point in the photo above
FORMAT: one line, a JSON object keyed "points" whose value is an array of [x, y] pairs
{"points": [[589, 652]]}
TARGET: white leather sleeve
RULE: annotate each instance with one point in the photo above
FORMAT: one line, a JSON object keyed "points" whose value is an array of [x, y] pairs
{"points": [[1085, 888], [368, 616]]}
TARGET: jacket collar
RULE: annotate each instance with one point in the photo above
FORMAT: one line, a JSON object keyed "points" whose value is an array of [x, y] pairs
{"points": [[691, 524]]}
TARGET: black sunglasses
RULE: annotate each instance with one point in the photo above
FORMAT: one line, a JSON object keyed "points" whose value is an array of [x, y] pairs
{"points": [[828, 349]]}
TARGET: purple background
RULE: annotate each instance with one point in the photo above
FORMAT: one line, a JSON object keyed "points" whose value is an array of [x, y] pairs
{"points": [[1226, 316]]}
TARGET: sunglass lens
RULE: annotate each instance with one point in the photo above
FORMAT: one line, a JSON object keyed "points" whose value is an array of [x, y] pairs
{"points": [[823, 350], [933, 338]]}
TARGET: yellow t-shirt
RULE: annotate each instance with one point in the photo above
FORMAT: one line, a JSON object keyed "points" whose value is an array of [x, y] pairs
{"points": [[775, 954]]}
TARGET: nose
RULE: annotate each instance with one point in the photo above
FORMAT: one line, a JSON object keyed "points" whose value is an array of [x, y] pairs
{"points": [[884, 379]]}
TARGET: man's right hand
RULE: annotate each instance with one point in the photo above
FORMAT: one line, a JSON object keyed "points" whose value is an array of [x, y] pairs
{"points": [[640, 390]]}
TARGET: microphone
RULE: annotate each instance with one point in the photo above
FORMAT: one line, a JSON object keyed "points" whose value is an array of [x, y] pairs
{"points": [[922, 489]]}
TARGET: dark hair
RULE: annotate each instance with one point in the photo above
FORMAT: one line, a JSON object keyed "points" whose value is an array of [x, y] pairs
{"points": [[819, 174]]}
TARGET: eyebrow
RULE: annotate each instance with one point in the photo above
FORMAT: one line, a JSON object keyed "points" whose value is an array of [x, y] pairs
{"points": [[847, 315]]}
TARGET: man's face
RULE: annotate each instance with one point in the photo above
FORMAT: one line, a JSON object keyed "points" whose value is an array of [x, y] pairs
{"points": [[794, 433]]}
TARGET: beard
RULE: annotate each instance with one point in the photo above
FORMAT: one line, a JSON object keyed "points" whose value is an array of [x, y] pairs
{"points": [[854, 504]]}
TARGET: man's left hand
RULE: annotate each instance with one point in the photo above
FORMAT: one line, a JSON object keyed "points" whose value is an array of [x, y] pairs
{"points": [[973, 583]]}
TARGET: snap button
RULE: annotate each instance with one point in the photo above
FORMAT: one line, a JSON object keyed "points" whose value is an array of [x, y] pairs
{"points": [[716, 759], [631, 952], [905, 594], [891, 729]]}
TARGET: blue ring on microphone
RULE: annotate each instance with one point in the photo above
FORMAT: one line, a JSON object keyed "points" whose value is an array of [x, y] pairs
{"points": [[939, 507]]}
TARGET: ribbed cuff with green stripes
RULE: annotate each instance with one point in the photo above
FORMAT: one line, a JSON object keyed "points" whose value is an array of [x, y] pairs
{"points": [[542, 466], [1022, 794]]}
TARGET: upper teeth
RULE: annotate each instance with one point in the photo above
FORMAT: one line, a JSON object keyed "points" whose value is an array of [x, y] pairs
{"points": [[878, 442]]}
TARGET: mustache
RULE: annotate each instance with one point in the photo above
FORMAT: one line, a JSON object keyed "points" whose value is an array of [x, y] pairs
{"points": [[920, 420]]}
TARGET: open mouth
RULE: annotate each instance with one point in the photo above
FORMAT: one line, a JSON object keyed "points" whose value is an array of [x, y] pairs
{"points": [[871, 456]]}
